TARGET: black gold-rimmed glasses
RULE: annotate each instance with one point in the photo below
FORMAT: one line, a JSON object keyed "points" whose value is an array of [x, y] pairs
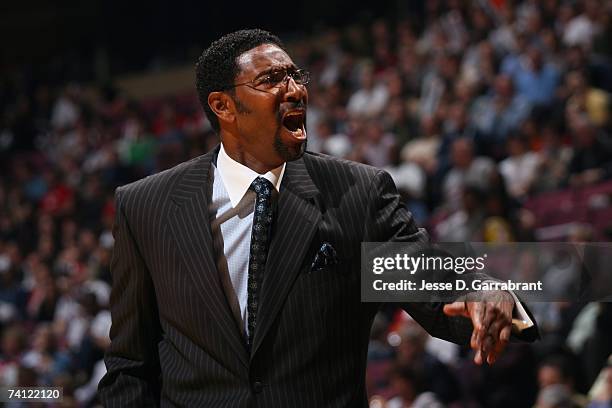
{"points": [[273, 79]]}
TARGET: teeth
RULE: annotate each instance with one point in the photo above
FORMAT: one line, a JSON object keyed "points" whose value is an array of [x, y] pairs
{"points": [[299, 132], [291, 114]]}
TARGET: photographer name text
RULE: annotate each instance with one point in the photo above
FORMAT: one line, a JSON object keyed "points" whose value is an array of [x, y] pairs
{"points": [[457, 285]]}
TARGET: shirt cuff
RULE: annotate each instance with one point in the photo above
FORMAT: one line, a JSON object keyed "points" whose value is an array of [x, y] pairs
{"points": [[519, 313]]}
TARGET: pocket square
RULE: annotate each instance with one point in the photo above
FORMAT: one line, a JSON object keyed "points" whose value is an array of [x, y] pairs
{"points": [[325, 257]]}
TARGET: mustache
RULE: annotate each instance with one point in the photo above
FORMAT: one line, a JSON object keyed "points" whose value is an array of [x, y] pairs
{"points": [[288, 106]]}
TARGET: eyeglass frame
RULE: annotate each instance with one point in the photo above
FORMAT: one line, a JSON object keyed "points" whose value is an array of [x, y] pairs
{"points": [[289, 72]]}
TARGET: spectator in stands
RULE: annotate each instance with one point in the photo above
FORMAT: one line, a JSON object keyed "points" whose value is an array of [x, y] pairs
{"points": [[11, 350], [455, 126], [536, 79], [467, 223], [581, 29], [407, 384], [66, 110], [478, 66], [584, 98], [555, 396], [423, 149], [410, 66], [370, 98], [45, 357], [436, 82], [396, 121], [94, 338], [504, 37], [377, 145], [466, 170], [501, 223], [557, 371], [433, 375], [553, 161], [602, 389], [591, 336], [12, 295], [44, 295], [498, 114], [592, 159], [378, 348], [410, 180], [519, 168]]}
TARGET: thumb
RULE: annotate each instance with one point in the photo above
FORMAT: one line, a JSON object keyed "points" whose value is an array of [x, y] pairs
{"points": [[455, 309]]}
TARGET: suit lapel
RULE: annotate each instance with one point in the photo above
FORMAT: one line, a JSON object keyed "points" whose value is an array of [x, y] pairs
{"points": [[296, 222], [190, 226]]}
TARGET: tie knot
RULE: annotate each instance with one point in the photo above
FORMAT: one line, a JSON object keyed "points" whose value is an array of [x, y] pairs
{"points": [[262, 187]]}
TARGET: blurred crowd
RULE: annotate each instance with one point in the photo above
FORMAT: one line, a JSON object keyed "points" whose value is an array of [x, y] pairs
{"points": [[476, 108]]}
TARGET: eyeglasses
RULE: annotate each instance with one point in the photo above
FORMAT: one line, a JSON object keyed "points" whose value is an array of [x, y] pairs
{"points": [[273, 79]]}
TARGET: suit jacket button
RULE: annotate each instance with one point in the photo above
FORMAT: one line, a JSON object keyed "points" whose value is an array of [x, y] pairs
{"points": [[257, 387]]}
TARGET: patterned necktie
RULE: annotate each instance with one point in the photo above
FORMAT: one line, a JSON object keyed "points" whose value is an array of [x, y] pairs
{"points": [[260, 238]]}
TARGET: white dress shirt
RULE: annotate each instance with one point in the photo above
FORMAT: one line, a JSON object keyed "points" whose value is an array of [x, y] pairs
{"points": [[230, 212]]}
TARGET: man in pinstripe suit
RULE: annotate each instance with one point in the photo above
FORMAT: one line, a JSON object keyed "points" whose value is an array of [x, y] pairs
{"points": [[179, 303]]}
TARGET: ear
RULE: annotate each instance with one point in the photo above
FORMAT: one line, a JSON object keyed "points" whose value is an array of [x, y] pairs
{"points": [[222, 105]]}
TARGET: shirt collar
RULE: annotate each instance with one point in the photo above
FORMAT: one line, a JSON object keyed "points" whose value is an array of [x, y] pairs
{"points": [[237, 178]]}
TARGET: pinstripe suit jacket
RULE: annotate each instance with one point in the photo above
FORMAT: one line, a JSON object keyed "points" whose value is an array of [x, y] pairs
{"points": [[174, 340]]}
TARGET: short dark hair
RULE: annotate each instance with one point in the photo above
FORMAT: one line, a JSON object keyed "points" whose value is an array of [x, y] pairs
{"points": [[562, 364], [414, 375], [216, 68]]}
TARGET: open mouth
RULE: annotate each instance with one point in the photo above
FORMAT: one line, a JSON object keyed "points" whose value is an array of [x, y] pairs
{"points": [[294, 123]]}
